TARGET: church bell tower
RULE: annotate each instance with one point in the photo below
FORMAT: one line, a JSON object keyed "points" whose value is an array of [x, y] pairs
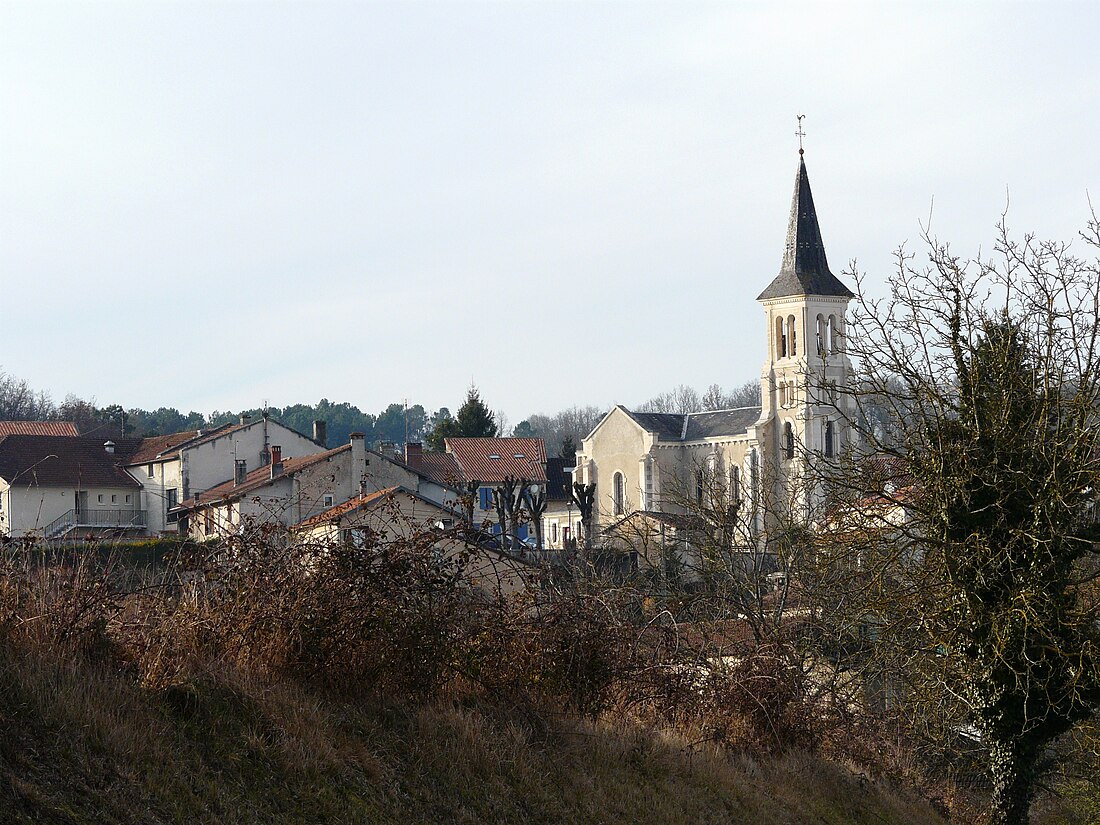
{"points": [[804, 405]]}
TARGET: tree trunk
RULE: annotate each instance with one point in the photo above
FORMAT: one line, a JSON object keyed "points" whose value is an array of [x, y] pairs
{"points": [[1013, 773]]}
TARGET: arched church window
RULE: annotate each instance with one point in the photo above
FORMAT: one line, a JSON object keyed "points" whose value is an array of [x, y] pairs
{"points": [[792, 335], [832, 334], [822, 336], [735, 484], [780, 338], [830, 440], [699, 486], [618, 494], [788, 440]]}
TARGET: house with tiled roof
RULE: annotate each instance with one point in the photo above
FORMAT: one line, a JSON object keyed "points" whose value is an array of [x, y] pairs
{"points": [[487, 462], [291, 490], [38, 428], [561, 521], [172, 468], [758, 461], [64, 486], [397, 514]]}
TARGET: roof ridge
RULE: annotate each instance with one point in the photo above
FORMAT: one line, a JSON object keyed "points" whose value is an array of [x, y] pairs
{"points": [[728, 409]]}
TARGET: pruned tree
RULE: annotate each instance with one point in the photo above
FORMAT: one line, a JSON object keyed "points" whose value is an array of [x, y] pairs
{"points": [[584, 496], [985, 379], [534, 499]]}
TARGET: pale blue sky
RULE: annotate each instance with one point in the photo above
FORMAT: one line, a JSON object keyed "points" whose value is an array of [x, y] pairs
{"points": [[209, 205]]}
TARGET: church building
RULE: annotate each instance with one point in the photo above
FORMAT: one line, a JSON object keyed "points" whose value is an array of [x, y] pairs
{"points": [[760, 461]]}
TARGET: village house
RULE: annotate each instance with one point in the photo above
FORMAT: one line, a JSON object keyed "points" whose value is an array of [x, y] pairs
{"points": [[486, 463], [38, 428], [173, 468], [65, 486], [292, 489], [562, 520], [397, 514]]}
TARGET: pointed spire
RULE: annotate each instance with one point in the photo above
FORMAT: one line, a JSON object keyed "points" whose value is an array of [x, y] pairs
{"points": [[805, 270]]}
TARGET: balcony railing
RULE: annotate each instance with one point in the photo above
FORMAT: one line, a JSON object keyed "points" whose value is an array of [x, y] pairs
{"points": [[96, 520]]}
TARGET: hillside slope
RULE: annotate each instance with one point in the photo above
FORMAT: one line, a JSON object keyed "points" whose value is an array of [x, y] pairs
{"points": [[81, 746]]}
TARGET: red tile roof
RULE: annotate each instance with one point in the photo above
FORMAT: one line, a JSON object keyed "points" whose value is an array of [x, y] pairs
{"points": [[65, 461], [66, 428], [439, 467], [260, 477], [361, 500], [160, 447], [491, 460]]}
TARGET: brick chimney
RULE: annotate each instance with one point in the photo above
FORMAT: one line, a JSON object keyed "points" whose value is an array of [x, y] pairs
{"points": [[245, 418], [320, 433], [358, 458], [240, 472], [276, 461], [413, 450]]}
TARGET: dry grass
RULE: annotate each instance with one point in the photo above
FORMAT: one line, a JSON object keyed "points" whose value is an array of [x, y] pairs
{"points": [[86, 745], [369, 687]]}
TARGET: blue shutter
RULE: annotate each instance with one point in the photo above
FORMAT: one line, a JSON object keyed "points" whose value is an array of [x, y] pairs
{"points": [[485, 496]]}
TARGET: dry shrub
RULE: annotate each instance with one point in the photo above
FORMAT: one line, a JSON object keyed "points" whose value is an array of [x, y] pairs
{"points": [[376, 620], [561, 651], [62, 603]]}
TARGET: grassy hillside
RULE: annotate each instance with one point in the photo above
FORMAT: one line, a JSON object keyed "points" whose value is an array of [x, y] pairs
{"points": [[83, 745]]}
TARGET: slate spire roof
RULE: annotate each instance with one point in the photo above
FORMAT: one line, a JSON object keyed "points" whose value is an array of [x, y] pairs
{"points": [[805, 271]]}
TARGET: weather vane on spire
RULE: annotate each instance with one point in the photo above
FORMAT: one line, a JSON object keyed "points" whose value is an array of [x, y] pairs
{"points": [[800, 134]]}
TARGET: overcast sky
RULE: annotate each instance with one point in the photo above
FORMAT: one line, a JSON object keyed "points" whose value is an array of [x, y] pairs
{"points": [[207, 206]]}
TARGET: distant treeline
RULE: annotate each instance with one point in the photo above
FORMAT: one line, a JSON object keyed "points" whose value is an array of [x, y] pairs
{"points": [[562, 431]]}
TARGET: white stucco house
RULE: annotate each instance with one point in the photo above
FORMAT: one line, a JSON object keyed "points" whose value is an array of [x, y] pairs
{"points": [[172, 468], [289, 491], [63, 486]]}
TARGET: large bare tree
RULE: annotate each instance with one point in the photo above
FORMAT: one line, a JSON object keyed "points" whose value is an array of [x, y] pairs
{"points": [[981, 393]]}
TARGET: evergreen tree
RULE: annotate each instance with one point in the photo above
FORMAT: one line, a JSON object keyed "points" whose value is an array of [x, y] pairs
{"points": [[474, 419]]}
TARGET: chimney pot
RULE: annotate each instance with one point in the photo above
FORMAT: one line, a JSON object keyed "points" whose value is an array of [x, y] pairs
{"points": [[109, 446]]}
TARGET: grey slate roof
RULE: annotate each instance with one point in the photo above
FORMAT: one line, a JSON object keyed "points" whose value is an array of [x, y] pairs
{"points": [[805, 270], [720, 422], [699, 425], [668, 426]]}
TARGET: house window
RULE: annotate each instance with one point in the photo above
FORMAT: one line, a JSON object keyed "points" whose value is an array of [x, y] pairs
{"points": [[618, 494], [553, 532], [788, 440], [485, 498], [127, 498], [101, 498], [171, 497], [149, 470], [328, 501], [114, 499]]}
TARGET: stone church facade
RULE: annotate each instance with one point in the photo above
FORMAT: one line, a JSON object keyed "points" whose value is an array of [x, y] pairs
{"points": [[763, 460]]}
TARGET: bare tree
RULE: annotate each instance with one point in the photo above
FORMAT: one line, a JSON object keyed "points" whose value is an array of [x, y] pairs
{"points": [[978, 470]]}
